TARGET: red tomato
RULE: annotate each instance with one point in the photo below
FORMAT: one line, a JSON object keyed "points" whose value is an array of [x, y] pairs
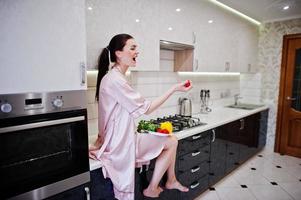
{"points": [[165, 131], [187, 84], [158, 130]]}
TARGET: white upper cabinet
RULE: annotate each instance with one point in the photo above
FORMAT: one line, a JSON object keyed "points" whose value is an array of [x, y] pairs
{"points": [[138, 18], [175, 22], [248, 48], [224, 42], [43, 44], [226, 45]]}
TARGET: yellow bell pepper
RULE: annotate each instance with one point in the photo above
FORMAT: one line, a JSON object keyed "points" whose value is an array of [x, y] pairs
{"points": [[166, 125]]}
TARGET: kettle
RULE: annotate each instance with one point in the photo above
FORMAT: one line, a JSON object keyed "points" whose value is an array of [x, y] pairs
{"points": [[185, 107]]}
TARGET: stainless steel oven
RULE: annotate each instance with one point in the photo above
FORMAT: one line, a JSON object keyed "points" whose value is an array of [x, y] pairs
{"points": [[43, 144]]}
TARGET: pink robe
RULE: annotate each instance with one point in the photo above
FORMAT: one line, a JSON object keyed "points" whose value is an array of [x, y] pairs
{"points": [[122, 148]]}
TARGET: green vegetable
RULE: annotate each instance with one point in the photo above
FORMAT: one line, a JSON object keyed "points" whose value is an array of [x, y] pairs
{"points": [[146, 126]]}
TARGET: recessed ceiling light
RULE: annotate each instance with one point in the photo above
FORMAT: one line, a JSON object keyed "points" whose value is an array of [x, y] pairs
{"points": [[210, 21], [137, 20], [90, 8], [286, 7], [165, 42], [178, 9], [170, 28]]}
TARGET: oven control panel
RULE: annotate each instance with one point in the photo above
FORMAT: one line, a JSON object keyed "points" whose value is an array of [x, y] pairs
{"points": [[12, 105], [58, 102], [6, 107]]}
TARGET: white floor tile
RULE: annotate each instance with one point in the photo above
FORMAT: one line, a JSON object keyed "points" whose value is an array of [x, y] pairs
{"points": [[279, 176], [258, 181], [285, 161], [235, 194], [227, 182], [294, 189], [269, 192], [208, 195], [250, 178], [294, 171]]}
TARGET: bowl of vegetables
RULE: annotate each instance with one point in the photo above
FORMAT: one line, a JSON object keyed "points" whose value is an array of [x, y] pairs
{"points": [[162, 129]]}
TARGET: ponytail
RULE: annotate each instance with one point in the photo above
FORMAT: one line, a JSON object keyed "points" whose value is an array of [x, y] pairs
{"points": [[103, 68], [108, 55]]}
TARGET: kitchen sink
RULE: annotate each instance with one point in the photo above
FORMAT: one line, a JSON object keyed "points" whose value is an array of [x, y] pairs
{"points": [[245, 106]]}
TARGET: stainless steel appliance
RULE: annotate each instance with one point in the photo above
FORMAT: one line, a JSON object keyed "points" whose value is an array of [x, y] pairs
{"points": [[180, 122], [185, 107], [43, 144]]}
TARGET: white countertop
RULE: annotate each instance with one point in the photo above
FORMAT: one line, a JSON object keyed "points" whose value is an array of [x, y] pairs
{"points": [[217, 117]]}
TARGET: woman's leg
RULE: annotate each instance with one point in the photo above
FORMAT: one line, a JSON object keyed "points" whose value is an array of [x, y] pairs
{"points": [[165, 161]]}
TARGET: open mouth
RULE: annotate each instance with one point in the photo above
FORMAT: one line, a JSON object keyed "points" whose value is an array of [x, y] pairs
{"points": [[134, 59]]}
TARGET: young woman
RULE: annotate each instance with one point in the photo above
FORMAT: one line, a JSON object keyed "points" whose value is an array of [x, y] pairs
{"points": [[118, 147]]}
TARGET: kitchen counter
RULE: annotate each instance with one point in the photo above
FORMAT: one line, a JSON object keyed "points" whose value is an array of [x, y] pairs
{"points": [[217, 117]]}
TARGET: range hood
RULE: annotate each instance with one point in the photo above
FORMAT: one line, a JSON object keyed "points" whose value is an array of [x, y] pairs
{"points": [[174, 46]]}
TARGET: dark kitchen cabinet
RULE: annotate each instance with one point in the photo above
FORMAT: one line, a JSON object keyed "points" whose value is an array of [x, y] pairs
{"points": [[248, 131], [230, 133], [192, 169], [101, 188], [218, 156], [235, 142], [205, 158], [98, 188], [193, 164], [241, 140], [81, 192], [263, 127]]}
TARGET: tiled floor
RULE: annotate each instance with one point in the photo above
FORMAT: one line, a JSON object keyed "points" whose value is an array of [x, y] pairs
{"points": [[267, 176]]}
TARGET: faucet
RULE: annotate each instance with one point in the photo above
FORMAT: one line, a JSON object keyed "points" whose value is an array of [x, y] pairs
{"points": [[236, 97]]}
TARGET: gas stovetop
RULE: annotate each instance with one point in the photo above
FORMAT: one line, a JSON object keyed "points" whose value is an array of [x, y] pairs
{"points": [[180, 122]]}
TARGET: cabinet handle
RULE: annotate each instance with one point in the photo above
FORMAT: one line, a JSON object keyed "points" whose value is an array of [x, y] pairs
{"points": [[196, 137], [213, 135], [87, 190], [227, 66], [249, 67], [196, 64], [195, 153], [193, 37], [242, 124], [193, 170], [83, 73], [194, 185]]}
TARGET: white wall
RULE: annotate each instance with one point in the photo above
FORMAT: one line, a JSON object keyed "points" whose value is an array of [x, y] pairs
{"points": [[42, 45]]}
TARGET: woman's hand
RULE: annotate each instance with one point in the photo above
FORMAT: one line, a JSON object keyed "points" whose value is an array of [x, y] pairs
{"points": [[184, 86], [96, 145]]}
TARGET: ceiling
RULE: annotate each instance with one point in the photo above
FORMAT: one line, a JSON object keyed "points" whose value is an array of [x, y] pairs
{"points": [[266, 10]]}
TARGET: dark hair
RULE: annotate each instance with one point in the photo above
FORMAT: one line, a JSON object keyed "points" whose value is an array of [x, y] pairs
{"points": [[116, 44]]}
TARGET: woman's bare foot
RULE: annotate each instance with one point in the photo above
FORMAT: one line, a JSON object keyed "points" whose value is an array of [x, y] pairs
{"points": [[176, 185], [150, 192]]}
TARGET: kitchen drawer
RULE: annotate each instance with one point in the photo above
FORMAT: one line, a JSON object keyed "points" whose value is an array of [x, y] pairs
{"points": [[196, 188], [193, 142], [193, 158], [194, 173]]}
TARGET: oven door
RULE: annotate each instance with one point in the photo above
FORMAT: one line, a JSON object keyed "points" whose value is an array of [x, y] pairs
{"points": [[42, 155]]}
